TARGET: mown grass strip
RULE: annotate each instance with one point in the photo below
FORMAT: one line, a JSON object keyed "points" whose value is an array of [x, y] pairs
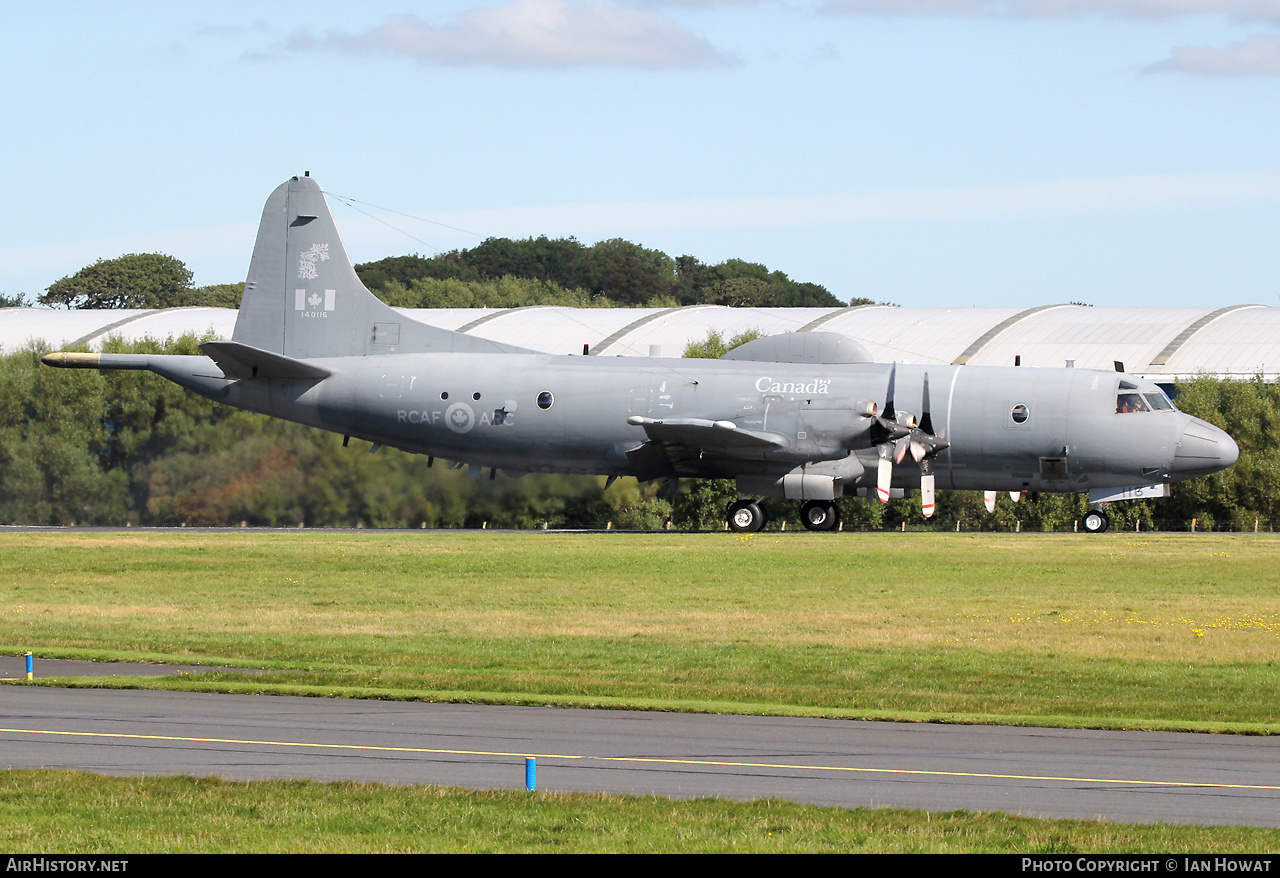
{"points": [[69, 812], [1121, 630]]}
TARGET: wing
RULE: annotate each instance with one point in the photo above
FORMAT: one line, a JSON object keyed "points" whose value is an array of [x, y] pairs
{"points": [[686, 446], [721, 436]]}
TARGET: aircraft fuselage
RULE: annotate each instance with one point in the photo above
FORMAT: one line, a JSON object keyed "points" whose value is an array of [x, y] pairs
{"points": [[1008, 429]]}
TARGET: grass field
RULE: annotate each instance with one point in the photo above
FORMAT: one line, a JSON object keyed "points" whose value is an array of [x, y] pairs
{"points": [[1153, 631], [72, 812]]}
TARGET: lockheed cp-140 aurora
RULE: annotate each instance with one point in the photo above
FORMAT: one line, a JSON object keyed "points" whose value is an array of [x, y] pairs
{"points": [[804, 415]]}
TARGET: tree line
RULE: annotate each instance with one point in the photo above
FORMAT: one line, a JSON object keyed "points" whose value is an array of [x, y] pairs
{"points": [[117, 448], [497, 273]]}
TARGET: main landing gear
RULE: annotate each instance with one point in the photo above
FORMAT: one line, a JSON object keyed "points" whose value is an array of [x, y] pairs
{"points": [[746, 516], [819, 515], [1096, 521]]}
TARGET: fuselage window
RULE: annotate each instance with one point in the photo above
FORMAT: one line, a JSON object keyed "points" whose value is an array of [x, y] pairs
{"points": [[545, 399], [1020, 414]]}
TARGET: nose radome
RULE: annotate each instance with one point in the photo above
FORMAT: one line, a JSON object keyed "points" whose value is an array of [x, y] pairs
{"points": [[1204, 449]]}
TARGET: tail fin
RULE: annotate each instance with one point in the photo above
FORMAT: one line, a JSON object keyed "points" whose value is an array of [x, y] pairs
{"points": [[303, 299]]}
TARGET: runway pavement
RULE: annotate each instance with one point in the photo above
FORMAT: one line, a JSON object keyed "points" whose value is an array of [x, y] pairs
{"points": [[1120, 776]]}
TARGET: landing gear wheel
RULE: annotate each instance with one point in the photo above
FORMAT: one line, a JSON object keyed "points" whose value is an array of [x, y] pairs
{"points": [[1095, 521], [746, 517], [819, 515]]}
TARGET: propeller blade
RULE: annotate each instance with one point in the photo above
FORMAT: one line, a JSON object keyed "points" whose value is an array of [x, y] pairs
{"points": [[926, 495], [989, 500], [926, 422], [890, 414], [883, 478], [1015, 496], [926, 487], [900, 450]]}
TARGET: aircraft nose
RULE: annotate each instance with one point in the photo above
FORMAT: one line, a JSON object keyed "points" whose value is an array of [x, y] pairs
{"points": [[1203, 449]]}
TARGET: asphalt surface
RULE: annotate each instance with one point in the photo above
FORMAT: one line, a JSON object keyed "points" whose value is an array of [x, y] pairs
{"points": [[1119, 776]]}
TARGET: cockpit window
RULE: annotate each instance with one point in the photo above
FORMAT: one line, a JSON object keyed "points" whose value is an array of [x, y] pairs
{"points": [[1131, 402]]}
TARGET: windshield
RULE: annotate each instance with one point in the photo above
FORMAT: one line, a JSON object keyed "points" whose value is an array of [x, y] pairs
{"points": [[1130, 400]]}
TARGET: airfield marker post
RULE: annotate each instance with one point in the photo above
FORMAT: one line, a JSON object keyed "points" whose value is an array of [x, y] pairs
{"points": [[530, 773], [30, 667]]}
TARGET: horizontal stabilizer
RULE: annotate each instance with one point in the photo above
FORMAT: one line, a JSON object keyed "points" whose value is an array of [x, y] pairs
{"points": [[245, 361]]}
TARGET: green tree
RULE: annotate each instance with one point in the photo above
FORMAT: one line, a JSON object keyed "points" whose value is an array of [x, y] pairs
{"points": [[51, 444], [135, 280], [738, 292], [714, 346], [217, 296], [504, 292], [1250, 490], [630, 274], [607, 274], [703, 506], [741, 283]]}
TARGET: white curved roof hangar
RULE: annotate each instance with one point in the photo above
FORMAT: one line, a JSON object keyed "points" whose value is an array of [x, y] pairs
{"points": [[1161, 343]]}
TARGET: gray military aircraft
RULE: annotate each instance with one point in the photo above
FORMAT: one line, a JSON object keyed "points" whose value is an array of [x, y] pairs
{"points": [[804, 416]]}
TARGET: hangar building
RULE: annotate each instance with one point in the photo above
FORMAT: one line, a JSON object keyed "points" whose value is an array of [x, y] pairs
{"points": [[1163, 344]]}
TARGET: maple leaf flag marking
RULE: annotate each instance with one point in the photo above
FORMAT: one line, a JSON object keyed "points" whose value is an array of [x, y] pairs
{"points": [[310, 304]]}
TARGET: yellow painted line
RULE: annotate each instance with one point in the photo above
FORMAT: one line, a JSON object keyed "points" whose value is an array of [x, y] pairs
{"points": [[655, 760]]}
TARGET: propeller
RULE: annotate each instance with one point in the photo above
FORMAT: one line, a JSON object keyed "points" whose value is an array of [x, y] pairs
{"points": [[900, 433]]}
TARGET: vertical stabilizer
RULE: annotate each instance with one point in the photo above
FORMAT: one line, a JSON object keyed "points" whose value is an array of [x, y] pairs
{"points": [[303, 298]]}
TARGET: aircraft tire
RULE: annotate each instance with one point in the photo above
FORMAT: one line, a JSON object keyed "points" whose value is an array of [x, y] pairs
{"points": [[745, 517], [819, 515], [1096, 521]]}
